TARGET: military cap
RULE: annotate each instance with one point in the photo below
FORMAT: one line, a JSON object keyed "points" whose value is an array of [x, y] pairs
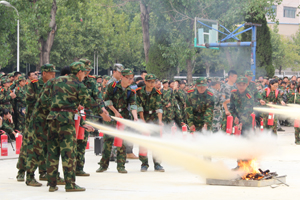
{"points": [[10, 74], [75, 67], [48, 68], [249, 73], [149, 77], [201, 81], [106, 77], [119, 67], [21, 78], [127, 71], [5, 80], [165, 81], [99, 76], [266, 77], [216, 79], [87, 63], [242, 79]]}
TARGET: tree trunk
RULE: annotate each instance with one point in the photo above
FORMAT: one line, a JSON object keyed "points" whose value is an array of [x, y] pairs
{"points": [[46, 45], [145, 25], [207, 70], [280, 68], [189, 70]]}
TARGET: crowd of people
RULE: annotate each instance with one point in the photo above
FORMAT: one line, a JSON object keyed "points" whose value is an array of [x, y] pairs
{"points": [[43, 108]]}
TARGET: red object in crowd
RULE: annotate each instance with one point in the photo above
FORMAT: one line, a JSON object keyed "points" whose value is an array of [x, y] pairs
{"points": [[4, 145], [184, 131], [118, 142], [253, 120], [173, 129], [19, 140], [81, 130], [297, 123], [271, 119], [88, 143], [77, 123], [262, 125], [142, 150], [236, 131], [229, 124], [100, 134]]}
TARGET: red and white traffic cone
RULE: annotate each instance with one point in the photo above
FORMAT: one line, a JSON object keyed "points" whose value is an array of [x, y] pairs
{"points": [[4, 145]]}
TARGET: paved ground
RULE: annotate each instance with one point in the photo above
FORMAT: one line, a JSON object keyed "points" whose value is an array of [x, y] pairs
{"points": [[175, 183]]}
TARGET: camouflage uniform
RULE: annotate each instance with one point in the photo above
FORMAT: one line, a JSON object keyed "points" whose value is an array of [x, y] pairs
{"points": [[275, 100], [61, 135], [241, 106], [226, 93], [199, 107], [20, 106], [149, 104], [117, 97], [217, 113], [5, 99], [168, 113], [177, 109], [294, 98], [8, 128]]}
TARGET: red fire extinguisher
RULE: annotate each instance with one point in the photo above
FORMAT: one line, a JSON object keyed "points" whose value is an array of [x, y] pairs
{"points": [[253, 121], [142, 150], [4, 145], [184, 131], [271, 119], [19, 139], [236, 131], [229, 124], [118, 142], [100, 134], [77, 123], [262, 125], [173, 129], [81, 130], [88, 143], [297, 123]]}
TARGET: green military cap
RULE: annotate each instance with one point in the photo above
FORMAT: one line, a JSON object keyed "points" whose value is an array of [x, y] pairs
{"points": [[165, 81], [21, 78], [126, 72], [87, 63], [48, 68], [107, 78], [149, 77], [249, 73], [99, 76], [5, 80], [10, 74], [242, 79], [77, 66], [276, 77], [119, 67], [266, 77], [216, 79], [201, 81]]}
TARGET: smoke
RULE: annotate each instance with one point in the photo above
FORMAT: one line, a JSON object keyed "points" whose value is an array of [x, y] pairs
{"points": [[189, 152], [289, 111]]}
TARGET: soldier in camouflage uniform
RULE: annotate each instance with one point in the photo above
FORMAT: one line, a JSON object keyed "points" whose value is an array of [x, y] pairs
{"points": [[61, 136], [8, 124], [200, 106], [241, 105], [294, 98], [117, 98], [271, 95], [167, 102], [149, 108], [37, 129], [20, 103], [6, 96], [178, 103], [226, 93], [217, 113]]}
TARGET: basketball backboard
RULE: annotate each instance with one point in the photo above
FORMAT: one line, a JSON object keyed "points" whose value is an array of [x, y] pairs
{"points": [[206, 31]]}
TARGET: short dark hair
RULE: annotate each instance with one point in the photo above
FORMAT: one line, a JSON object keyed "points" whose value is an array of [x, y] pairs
{"points": [[283, 82], [232, 72], [29, 73], [141, 84], [138, 79], [285, 77], [272, 82], [293, 82], [298, 88], [144, 71], [5, 112], [17, 73], [65, 70]]}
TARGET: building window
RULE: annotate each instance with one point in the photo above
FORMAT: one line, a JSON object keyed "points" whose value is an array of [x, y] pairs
{"points": [[274, 8], [289, 12]]}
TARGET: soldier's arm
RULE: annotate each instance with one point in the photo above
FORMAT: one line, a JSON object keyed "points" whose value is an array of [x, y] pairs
{"points": [[108, 99], [7, 128], [133, 105], [30, 94], [140, 108], [159, 107], [189, 111]]}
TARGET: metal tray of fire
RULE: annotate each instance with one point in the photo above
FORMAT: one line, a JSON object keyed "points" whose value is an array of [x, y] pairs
{"points": [[248, 183]]}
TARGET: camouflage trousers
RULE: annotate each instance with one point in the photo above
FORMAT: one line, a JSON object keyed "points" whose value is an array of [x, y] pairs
{"points": [[268, 127], [178, 116], [80, 152], [168, 115], [183, 114], [37, 147], [21, 164], [216, 123], [144, 160], [224, 122], [107, 146], [61, 141], [297, 135], [20, 121]]}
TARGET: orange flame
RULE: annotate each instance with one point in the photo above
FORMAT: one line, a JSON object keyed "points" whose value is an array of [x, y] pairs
{"points": [[251, 169]]}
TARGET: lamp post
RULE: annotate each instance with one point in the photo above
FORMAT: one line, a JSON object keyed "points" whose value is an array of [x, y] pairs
{"points": [[18, 39]]}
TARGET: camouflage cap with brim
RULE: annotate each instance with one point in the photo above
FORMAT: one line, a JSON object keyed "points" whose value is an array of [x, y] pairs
{"points": [[149, 77], [216, 79], [242, 79], [75, 67], [249, 73], [87, 63], [9, 75], [107, 77], [5, 80], [21, 78], [266, 77], [48, 68], [127, 72], [165, 81], [119, 67], [99, 76], [201, 81]]}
